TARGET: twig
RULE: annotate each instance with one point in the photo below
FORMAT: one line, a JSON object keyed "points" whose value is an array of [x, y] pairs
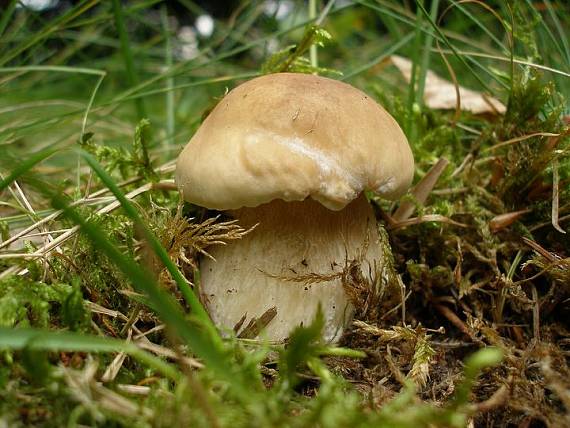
{"points": [[462, 165], [159, 327], [403, 295], [457, 322], [551, 257], [496, 400], [398, 375], [555, 198], [395, 308], [535, 313]]}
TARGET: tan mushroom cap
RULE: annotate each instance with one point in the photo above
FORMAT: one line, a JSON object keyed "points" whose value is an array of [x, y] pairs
{"points": [[288, 136]]}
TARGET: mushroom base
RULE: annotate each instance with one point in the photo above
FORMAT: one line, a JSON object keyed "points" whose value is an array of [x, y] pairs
{"points": [[282, 264]]}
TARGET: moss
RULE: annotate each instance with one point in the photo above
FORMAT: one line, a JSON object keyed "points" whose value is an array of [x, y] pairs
{"points": [[27, 303]]}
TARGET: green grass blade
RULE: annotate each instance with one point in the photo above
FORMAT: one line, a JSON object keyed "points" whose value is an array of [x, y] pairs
{"points": [[26, 166], [104, 18], [127, 53], [438, 35], [20, 338], [185, 68], [183, 86], [170, 112], [200, 335], [198, 310], [412, 91], [313, 49], [63, 69], [200, 339], [49, 29], [6, 15], [562, 36], [426, 51], [479, 24], [454, 50], [385, 54], [55, 68]]}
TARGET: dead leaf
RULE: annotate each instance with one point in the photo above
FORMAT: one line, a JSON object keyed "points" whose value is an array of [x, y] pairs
{"points": [[439, 94]]}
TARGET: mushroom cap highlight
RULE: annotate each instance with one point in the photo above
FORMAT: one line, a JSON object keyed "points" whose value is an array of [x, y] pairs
{"points": [[289, 136]]}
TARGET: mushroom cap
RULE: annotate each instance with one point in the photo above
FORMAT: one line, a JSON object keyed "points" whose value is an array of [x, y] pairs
{"points": [[289, 136]]}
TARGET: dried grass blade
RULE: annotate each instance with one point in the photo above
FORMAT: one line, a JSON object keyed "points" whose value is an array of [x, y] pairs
{"points": [[113, 369], [519, 139]]}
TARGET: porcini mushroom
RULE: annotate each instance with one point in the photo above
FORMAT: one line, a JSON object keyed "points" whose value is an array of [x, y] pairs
{"points": [[292, 153]]}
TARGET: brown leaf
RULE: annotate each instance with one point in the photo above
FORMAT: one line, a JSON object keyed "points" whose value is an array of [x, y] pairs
{"points": [[439, 94]]}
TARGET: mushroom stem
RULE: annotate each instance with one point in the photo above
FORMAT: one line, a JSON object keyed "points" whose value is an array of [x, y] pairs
{"points": [[289, 262]]}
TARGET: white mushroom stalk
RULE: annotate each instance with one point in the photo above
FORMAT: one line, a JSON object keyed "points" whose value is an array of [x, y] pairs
{"points": [[291, 261], [292, 152]]}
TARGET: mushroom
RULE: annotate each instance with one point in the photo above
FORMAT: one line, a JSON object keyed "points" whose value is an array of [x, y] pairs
{"points": [[293, 154]]}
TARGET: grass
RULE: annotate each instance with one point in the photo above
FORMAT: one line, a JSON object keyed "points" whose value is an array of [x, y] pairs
{"points": [[100, 319]]}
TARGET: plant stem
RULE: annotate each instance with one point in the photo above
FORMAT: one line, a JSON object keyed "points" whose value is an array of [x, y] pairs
{"points": [[313, 50]]}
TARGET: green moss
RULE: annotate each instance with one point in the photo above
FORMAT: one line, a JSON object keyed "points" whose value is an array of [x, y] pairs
{"points": [[27, 303]]}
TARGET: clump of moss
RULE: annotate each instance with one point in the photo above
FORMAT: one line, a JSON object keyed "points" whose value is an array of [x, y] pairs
{"points": [[30, 303], [533, 123]]}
